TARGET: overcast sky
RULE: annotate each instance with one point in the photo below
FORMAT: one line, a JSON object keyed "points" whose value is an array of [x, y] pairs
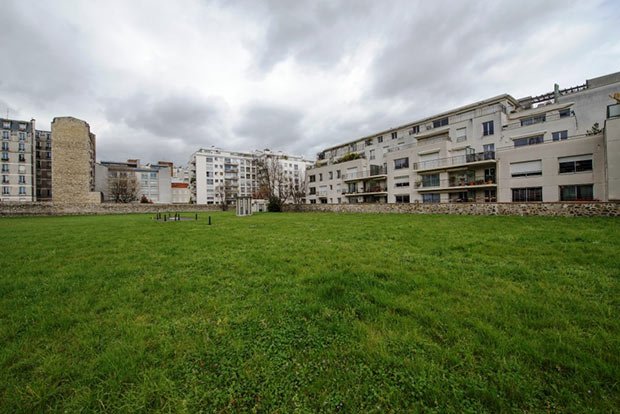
{"points": [[157, 80]]}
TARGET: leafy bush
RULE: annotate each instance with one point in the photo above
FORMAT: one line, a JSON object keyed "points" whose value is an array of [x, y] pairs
{"points": [[274, 205]]}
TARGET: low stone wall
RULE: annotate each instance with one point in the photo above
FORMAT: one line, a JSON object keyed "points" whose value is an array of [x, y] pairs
{"points": [[55, 209], [502, 209]]}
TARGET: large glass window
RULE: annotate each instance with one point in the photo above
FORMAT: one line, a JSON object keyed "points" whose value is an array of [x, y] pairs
{"points": [[559, 135], [402, 198], [431, 198], [533, 140], [488, 128], [527, 194], [575, 164], [401, 163], [430, 180], [533, 120], [440, 122], [576, 192]]}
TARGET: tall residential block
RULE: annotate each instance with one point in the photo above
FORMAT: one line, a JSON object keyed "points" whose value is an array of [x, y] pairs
{"points": [[558, 146], [17, 161], [152, 181], [73, 162], [218, 176]]}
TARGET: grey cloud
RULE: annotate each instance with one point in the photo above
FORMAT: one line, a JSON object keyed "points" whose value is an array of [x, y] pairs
{"points": [[271, 126], [317, 33], [442, 51], [181, 116], [48, 60]]}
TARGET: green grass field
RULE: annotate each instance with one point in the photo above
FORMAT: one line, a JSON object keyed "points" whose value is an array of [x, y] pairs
{"points": [[310, 312]]}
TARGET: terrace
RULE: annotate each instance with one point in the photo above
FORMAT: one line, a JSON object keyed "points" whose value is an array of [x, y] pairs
{"points": [[479, 158]]}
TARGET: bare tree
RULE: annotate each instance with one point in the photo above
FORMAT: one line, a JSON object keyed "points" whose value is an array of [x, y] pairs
{"points": [[298, 192], [220, 191], [272, 182], [123, 188]]}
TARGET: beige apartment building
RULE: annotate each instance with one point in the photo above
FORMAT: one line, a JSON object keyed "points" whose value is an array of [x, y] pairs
{"points": [[153, 181], [543, 148], [73, 164]]}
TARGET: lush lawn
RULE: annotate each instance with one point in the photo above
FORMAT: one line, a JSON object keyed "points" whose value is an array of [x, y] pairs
{"points": [[310, 312]]}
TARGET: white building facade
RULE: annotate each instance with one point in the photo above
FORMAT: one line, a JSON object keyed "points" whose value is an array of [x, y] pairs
{"points": [[544, 148]]}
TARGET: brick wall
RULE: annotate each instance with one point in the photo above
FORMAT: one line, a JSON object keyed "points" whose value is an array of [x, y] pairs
{"points": [[503, 209]]}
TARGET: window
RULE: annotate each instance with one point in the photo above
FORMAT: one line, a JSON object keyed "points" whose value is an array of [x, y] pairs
{"points": [[371, 154], [337, 173], [431, 198], [527, 194], [22, 158], [209, 159], [533, 120], [22, 179], [575, 164], [311, 178], [5, 156], [5, 179], [145, 176], [526, 169], [576, 192], [394, 135], [440, 122], [560, 135], [380, 139], [487, 128], [401, 163], [5, 135], [209, 181], [402, 184], [414, 130], [490, 196], [312, 201], [22, 136], [6, 191], [488, 148], [430, 180], [312, 190], [5, 146], [402, 198], [6, 124], [48, 155], [533, 140], [22, 190], [5, 167], [565, 112], [320, 176], [461, 134], [154, 175], [331, 175]]}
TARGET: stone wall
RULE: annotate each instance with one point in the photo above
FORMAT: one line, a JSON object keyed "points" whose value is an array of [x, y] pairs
{"points": [[65, 209], [502, 209], [73, 157]]}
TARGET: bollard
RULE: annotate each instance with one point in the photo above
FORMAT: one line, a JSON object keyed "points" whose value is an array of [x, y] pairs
{"points": [[196, 216], [164, 217], [209, 220]]}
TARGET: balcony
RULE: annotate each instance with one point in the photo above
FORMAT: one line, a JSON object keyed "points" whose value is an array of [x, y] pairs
{"points": [[375, 171], [478, 158], [457, 183], [367, 190]]}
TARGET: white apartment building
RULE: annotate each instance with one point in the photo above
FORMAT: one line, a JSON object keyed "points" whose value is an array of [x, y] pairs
{"points": [[154, 181], [218, 176], [17, 161], [543, 148]]}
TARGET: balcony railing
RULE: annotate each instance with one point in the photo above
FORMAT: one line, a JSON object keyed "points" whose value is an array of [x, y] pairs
{"points": [[374, 171], [365, 190], [454, 161], [456, 182]]}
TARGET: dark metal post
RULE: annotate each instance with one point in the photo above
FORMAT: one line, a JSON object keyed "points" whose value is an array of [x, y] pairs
{"points": [[209, 220]]}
